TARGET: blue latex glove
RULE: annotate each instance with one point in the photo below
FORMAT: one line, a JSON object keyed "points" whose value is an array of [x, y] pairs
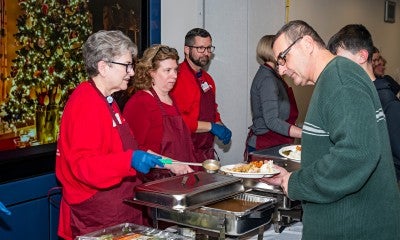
{"points": [[222, 132], [142, 161], [4, 209]]}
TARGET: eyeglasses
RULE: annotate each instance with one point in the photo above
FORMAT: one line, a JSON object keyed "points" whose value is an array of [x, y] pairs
{"points": [[129, 66], [203, 49], [281, 61]]}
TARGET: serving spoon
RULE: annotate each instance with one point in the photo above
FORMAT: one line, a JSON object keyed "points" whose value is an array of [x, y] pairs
{"points": [[210, 165]]}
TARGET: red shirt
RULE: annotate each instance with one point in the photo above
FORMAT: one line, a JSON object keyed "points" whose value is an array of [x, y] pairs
{"points": [[144, 117], [186, 94], [89, 155]]}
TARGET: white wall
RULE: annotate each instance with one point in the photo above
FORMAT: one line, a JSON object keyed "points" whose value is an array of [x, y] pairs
{"points": [[177, 18], [236, 27]]}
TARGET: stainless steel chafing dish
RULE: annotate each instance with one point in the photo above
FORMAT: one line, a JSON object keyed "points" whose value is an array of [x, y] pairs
{"points": [[287, 211], [214, 204], [237, 216], [187, 191]]}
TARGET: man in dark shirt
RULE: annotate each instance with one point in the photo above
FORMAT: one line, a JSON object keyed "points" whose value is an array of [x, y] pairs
{"points": [[355, 42]]}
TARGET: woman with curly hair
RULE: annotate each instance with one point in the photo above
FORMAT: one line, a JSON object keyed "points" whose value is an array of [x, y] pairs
{"points": [[152, 114]]}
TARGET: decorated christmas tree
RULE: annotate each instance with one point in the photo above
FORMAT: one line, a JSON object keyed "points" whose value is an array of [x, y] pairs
{"points": [[48, 64]]}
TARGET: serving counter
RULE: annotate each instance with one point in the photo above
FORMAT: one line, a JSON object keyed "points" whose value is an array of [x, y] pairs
{"points": [[22, 163], [223, 206]]}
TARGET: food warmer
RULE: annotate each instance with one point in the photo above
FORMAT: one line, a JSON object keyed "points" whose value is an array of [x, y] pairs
{"points": [[287, 211], [215, 205]]}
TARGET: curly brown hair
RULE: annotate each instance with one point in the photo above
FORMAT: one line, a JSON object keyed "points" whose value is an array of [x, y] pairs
{"points": [[150, 61]]}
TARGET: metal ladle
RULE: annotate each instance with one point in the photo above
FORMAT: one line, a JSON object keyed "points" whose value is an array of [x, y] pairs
{"points": [[210, 165]]}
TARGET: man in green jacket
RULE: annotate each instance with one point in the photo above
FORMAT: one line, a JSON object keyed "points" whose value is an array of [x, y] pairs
{"points": [[347, 181]]}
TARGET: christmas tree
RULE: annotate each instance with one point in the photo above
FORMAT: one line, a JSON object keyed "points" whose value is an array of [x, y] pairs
{"points": [[49, 61]]}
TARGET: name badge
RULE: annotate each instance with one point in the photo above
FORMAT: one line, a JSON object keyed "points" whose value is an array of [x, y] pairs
{"points": [[205, 86]]}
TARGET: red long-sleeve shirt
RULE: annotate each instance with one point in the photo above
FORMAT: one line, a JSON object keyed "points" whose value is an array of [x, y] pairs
{"points": [[186, 94], [89, 156], [144, 117]]}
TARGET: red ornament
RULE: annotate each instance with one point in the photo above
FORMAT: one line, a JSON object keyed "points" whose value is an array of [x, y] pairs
{"points": [[51, 70], [73, 34], [45, 8], [41, 99]]}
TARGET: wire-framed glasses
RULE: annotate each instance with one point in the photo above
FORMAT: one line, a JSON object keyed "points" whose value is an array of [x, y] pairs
{"points": [[209, 49], [281, 61], [128, 66]]}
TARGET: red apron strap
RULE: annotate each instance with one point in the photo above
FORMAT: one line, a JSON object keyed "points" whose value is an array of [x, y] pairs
{"points": [[204, 142], [125, 133], [175, 143]]}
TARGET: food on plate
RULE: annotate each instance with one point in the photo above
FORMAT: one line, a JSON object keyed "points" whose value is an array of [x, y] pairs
{"points": [[294, 154], [255, 167]]}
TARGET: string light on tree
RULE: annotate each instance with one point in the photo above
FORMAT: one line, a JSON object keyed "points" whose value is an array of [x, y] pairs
{"points": [[49, 62]]}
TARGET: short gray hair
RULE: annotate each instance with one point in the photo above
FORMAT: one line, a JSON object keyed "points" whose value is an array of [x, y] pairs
{"points": [[105, 45], [298, 28]]}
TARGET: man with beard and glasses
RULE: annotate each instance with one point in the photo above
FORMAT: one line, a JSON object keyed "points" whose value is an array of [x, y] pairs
{"points": [[194, 94]]}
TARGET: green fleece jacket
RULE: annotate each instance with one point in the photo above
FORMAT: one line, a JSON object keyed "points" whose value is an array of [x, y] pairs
{"points": [[347, 181]]}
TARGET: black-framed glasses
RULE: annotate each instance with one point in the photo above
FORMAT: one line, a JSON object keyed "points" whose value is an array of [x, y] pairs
{"points": [[281, 61], [128, 66], [210, 49]]}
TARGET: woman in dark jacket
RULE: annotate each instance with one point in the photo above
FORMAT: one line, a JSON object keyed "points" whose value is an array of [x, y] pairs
{"points": [[274, 108]]}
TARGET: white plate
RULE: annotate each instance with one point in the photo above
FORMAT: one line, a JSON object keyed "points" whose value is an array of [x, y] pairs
{"points": [[290, 148], [228, 170]]}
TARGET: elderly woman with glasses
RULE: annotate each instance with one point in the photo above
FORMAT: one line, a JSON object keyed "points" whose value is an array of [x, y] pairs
{"points": [[153, 115], [97, 158]]}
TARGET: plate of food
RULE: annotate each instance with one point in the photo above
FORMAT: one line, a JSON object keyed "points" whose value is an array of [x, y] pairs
{"points": [[292, 152], [254, 169]]}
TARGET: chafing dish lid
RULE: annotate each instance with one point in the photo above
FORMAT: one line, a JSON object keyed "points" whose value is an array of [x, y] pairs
{"points": [[187, 191]]}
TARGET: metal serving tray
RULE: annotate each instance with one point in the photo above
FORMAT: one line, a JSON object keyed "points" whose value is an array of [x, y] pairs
{"points": [[240, 205], [187, 191], [234, 216], [131, 231], [256, 184]]}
